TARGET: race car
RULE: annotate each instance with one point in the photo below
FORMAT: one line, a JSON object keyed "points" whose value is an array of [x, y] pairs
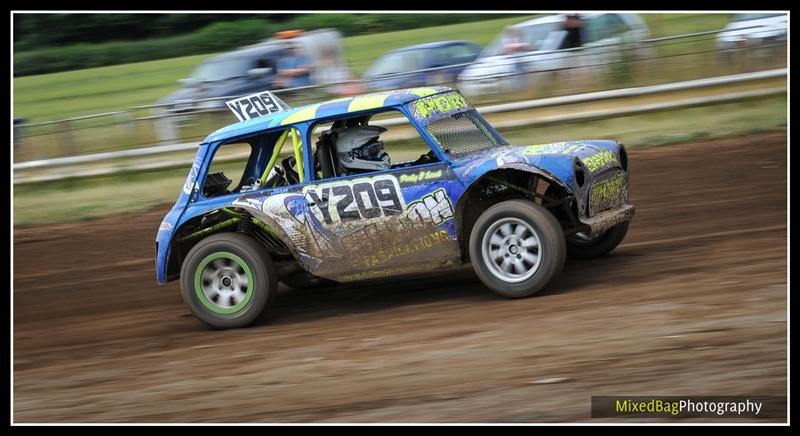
{"points": [[339, 205]]}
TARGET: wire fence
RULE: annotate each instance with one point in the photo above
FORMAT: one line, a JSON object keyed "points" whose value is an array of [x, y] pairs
{"points": [[509, 78]]}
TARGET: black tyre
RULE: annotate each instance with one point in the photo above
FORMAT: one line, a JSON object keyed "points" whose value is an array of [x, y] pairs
{"points": [[581, 247], [304, 280], [228, 280], [516, 247]]}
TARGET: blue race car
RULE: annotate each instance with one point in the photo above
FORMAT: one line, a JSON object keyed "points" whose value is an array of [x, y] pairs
{"points": [[334, 207]]}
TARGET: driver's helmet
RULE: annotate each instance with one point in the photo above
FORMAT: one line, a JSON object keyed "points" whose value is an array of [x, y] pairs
{"points": [[359, 149]]}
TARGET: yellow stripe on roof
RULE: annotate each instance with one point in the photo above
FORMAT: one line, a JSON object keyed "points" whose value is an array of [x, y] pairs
{"points": [[302, 115], [423, 92], [367, 102]]}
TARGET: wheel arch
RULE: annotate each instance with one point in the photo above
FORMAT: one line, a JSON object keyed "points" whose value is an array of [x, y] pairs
{"points": [[180, 243], [506, 183]]}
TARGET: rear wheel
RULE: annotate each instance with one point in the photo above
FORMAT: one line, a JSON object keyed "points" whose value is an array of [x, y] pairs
{"points": [[579, 246], [516, 247], [228, 280]]}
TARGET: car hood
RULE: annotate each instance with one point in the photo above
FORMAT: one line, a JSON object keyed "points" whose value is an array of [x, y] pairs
{"points": [[556, 160]]}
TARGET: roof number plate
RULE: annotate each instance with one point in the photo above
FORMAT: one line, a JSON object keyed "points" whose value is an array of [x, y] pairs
{"points": [[255, 105]]}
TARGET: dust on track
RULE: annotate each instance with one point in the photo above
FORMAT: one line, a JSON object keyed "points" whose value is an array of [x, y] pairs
{"points": [[692, 303]]}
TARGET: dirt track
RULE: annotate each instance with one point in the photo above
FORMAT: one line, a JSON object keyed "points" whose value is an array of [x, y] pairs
{"points": [[692, 303]]}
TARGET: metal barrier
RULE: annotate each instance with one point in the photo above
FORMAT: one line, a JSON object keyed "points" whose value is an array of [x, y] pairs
{"points": [[509, 107]]}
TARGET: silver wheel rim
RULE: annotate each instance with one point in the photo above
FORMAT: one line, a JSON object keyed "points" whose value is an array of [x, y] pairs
{"points": [[512, 250], [224, 283]]}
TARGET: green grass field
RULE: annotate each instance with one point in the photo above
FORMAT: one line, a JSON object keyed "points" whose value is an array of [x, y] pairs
{"points": [[97, 90], [36, 204]]}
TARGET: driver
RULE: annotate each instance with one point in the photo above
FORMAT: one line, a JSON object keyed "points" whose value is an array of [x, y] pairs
{"points": [[359, 150]]}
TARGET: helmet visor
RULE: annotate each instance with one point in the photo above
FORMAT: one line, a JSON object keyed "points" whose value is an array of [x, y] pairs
{"points": [[371, 151]]}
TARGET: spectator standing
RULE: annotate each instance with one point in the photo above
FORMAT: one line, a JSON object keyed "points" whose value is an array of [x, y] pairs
{"points": [[573, 26], [514, 45], [294, 69]]}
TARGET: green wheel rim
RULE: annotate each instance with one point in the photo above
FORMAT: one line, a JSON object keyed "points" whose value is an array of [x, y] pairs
{"points": [[215, 274]]}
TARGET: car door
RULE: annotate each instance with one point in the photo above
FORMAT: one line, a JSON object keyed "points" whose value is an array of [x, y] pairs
{"points": [[387, 222]]}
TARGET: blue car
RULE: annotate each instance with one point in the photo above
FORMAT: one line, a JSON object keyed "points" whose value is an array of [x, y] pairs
{"points": [[397, 68], [297, 211]]}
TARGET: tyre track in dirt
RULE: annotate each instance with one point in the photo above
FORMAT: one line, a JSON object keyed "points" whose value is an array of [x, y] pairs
{"points": [[692, 303]]}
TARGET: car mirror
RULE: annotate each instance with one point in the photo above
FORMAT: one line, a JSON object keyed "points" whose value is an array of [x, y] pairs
{"points": [[255, 73]]}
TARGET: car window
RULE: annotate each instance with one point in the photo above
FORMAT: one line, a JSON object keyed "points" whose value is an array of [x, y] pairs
{"points": [[396, 62], [536, 35], [532, 35], [227, 169], [264, 160], [460, 54], [223, 70], [266, 62], [400, 141], [590, 32], [615, 25], [603, 27]]}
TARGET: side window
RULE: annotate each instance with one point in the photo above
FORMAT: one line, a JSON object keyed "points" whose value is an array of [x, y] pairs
{"points": [[461, 54], [265, 160], [266, 62], [608, 26], [227, 169], [614, 26], [591, 30], [365, 144]]}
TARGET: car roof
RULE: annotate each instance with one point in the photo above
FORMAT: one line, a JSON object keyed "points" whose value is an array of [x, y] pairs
{"points": [[330, 108], [554, 18], [436, 44], [249, 52]]}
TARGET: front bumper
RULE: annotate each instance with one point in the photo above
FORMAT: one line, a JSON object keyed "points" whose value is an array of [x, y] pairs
{"points": [[603, 221]]}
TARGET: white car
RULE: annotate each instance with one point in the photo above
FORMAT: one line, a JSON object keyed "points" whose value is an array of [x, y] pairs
{"points": [[753, 30], [545, 48]]}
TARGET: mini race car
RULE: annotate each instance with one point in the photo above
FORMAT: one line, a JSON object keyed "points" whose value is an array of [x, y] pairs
{"points": [[301, 216]]}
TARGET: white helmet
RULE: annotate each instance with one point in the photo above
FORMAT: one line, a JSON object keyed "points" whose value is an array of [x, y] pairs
{"points": [[359, 149]]}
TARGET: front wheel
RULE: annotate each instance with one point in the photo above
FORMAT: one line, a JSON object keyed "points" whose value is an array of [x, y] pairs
{"points": [[228, 280], [516, 247], [579, 246]]}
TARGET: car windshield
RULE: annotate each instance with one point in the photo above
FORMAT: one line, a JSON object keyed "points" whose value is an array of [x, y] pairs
{"points": [[748, 17], [222, 70], [463, 133], [396, 62], [532, 36]]}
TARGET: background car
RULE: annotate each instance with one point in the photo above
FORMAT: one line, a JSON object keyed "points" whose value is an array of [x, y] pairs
{"points": [[497, 69], [255, 68], [753, 30], [400, 68]]}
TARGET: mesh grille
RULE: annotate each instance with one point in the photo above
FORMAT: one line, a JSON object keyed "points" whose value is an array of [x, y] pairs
{"points": [[463, 133]]}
